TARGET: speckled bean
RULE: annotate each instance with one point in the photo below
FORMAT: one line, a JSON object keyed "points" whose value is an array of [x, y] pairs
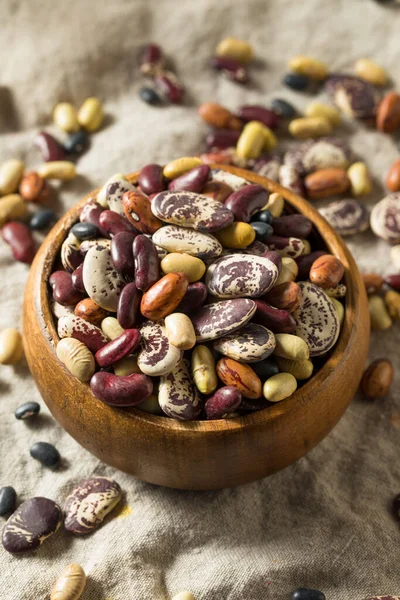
{"points": [[72, 326], [286, 246], [177, 395], [147, 270], [241, 376], [288, 272], [151, 60], [231, 68], [102, 281], [137, 210]]}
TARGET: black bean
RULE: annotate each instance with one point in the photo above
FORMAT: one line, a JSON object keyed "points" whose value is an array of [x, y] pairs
{"points": [[77, 143], [264, 216], [283, 108], [42, 219], [8, 500], [27, 410], [85, 231], [263, 230], [149, 96], [45, 453], [296, 81], [307, 594], [265, 368]]}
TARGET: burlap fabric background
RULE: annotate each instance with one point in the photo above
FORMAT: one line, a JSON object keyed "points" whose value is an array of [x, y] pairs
{"points": [[325, 521]]}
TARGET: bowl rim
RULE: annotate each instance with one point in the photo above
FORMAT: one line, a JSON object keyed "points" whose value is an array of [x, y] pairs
{"points": [[322, 378]]}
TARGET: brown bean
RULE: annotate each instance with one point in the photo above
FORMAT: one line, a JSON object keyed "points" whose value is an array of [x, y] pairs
{"points": [[241, 376], [286, 296], [393, 177], [164, 296], [326, 182], [388, 117], [392, 301], [377, 379], [217, 116], [33, 187], [246, 201], [147, 267], [90, 311], [19, 237], [137, 209], [117, 390], [373, 282], [326, 271], [304, 263]]}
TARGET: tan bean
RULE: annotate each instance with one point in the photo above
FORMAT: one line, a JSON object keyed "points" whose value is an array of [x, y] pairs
{"points": [[239, 50], [395, 256], [373, 282], [63, 170], [270, 139], [280, 386], [12, 207], [185, 595], [291, 346], [76, 357], [111, 328], [275, 204], [377, 379], [318, 109], [91, 114], [289, 271], [392, 300], [10, 175], [70, 584], [11, 349], [126, 366], [360, 181], [179, 166], [306, 65], [66, 117], [300, 369], [370, 71], [310, 127], [380, 318], [151, 405], [203, 369], [180, 331], [193, 267]]}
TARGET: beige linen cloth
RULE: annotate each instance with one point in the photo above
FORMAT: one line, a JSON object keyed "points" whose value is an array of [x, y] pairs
{"points": [[325, 521]]}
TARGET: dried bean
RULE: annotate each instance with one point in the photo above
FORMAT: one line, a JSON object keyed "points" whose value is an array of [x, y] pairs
{"points": [[177, 395], [85, 231], [77, 279], [239, 50], [137, 209], [72, 326], [203, 369], [102, 281], [278, 321], [33, 188], [111, 328], [27, 410], [58, 169], [180, 331], [12, 207], [91, 114], [326, 182], [19, 237], [310, 127], [118, 348], [217, 116], [193, 268], [147, 269], [251, 141], [226, 400], [393, 281], [368, 69], [373, 282], [231, 68], [392, 300], [296, 81], [128, 306], [113, 223], [238, 235], [318, 109], [195, 297], [388, 116], [164, 296], [192, 181], [150, 96], [311, 67], [240, 376], [11, 172], [286, 296], [292, 226], [65, 117], [8, 500], [222, 138], [50, 148], [70, 584], [283, 108], [360, 180], [77, 143], [393, 177], [151, 179], [42, 220], [121, 391], [170, 86], [45, 453], [304, 263], [90, 311], [377, 379], [151, 60], [280, 386], [246, 201], [300, 369], [11, 349], [380, 318], [258, 113], [122, 253], [326, 271]]}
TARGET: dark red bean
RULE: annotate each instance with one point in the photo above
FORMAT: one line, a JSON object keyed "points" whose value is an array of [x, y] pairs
{"points": [[222, 138], [121, 390], [278, 321], [253, 404], [128, 306], [170, 86], [192, 181], [19, 237], [304, 263], [292, 226], [147, 268], [225, 400], [195, 297], [50, 148], [275, 258], [151, 179], [255, 112], [63, 289], [393, 281], [114, 223], [122, 253], [77, 279], [151, 59], [91, 214], [231, 68], [246, 201], [119, 348]]}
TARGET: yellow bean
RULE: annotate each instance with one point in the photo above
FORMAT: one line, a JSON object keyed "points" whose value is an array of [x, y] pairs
{"points": [[91, 114], [236, 236], [270, 139], [370, 71], [239, 50], [11, 349], [203, 369], [76, 357], [300, 369], [360, 180], [339, 309], [65, 117], [380, 318], [151, 405], [275, 204], [318, 109], [306, 65], [392, 300], [63, 170], [251, 141], [179, 166], [280, 386], [310, 127], [175, 262], [289, 271], [70, 584], [111, 328], [12, 207], [291, 346], [10, 175]]}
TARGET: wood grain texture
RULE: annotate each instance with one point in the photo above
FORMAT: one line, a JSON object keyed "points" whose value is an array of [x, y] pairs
{"points": [[198, 455]]}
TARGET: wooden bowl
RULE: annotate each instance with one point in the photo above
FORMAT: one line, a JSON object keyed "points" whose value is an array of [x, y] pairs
{"points": [[198, 455]]}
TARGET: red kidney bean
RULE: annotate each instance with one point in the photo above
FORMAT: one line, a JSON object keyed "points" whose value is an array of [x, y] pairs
{"points": [[19, 237], [246, 201], [122, 253], [222, 138], [151, 59], [147, 268], [170, 86], [255, 112], [128, 306], [393, 281], [77, 279], [119, 348], [63, 289], [151, 179], [195, 297], [304, 263], [192, 181], [91, 214], [275, 258], [225, 400], [117, 390], [50, 148], [278, 321], [233, 69], [114, 223], [292, 226]]}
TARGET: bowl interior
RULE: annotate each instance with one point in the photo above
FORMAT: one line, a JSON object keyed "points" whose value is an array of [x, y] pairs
{"points": [[332, 242]]}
